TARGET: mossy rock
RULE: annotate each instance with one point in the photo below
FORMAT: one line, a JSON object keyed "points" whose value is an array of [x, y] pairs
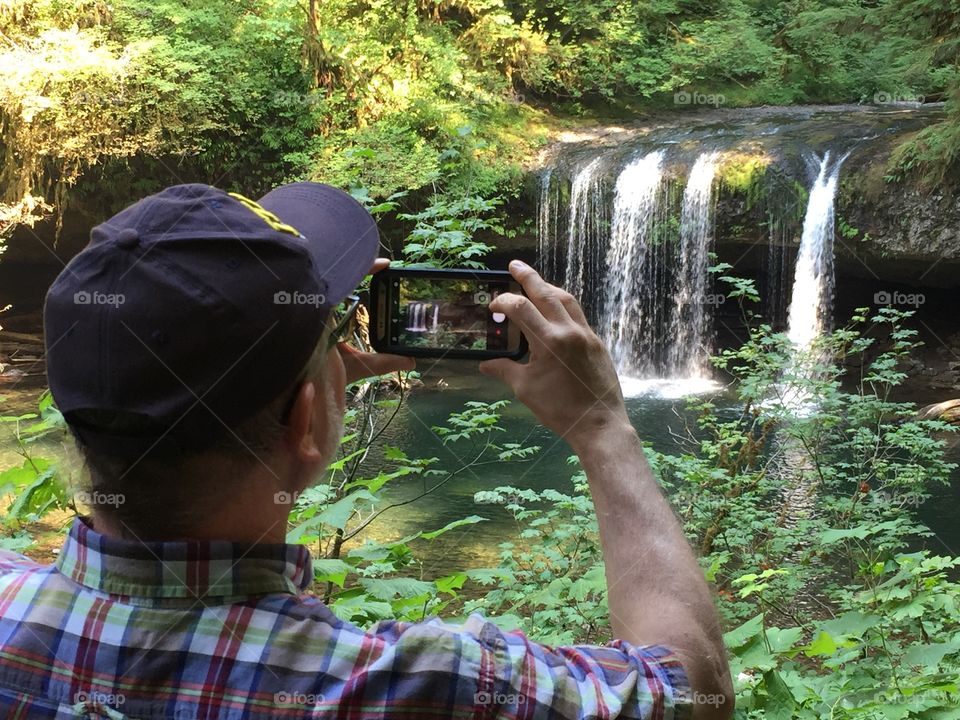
{"points": [[741, 172]]}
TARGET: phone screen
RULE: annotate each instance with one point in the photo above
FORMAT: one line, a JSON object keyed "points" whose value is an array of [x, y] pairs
{"points": [[438, 313]]}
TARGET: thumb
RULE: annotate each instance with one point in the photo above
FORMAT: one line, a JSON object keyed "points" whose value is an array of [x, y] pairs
{"points": [[358, 365], [503, 369]]}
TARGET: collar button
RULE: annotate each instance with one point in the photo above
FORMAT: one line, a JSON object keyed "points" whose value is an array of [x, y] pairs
{"points": [[128, 238]]}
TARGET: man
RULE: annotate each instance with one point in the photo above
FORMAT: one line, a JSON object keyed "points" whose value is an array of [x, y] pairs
{"points": [[194, 349]]}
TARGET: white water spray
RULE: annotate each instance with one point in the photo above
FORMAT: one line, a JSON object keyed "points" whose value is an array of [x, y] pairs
{"points": [[546, 227], [634, 203], [811, 303], [692, 305], [584, 192]]}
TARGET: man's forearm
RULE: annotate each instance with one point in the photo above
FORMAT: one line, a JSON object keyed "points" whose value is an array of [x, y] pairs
{"points": [[656, 590]]}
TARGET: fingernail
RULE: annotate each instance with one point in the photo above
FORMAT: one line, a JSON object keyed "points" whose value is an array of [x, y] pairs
{"points": [[519, 265]]}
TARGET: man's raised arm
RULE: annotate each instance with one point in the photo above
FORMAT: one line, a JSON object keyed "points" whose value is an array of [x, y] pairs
{"points": [[656, 590]]}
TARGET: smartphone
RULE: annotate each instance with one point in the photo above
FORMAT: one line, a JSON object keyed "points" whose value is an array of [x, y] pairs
{"points": [[443, 313]]}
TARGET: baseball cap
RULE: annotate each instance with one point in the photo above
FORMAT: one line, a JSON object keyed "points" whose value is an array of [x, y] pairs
{"points": [[192, 309]]}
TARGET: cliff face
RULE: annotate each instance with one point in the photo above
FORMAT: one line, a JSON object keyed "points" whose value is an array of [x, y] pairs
{"points": [[886, 231], [905, 233]]}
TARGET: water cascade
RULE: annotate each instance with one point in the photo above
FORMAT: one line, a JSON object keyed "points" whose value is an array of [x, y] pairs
{"points": [[631, 298], [417, 314], [811, 303], [547, 225], [629, 227], [584, 198], [692, 305], [636, 256]]}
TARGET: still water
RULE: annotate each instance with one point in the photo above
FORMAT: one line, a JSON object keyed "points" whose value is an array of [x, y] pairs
{"points": [[656, 408]]}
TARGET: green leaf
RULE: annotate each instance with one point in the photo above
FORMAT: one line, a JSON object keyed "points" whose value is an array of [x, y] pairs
{"points": [[335, 516], [360, 606], [783, 640], [394, 453], [389, 588], [331, 570], [850, 624], [16, 543], [471, 520], [823, 644], [748, 631], [36, 497], [929, 655], [450, 583], [780, 702]]}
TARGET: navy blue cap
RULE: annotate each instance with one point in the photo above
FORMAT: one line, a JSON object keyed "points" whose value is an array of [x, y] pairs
{"points": [[193, 309]]}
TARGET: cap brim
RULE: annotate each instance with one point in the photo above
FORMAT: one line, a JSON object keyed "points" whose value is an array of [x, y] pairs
{"points": [[342, 235]]}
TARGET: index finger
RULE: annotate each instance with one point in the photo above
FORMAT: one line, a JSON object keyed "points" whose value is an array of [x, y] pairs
{"points": [[520, 310], [544, 295]]}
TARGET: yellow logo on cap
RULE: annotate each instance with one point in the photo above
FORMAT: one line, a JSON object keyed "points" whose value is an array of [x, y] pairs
{"points": [[268, 217]]}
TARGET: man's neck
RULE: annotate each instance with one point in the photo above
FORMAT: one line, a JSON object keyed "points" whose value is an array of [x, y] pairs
{"points": [[245, 529], [252, 511]]}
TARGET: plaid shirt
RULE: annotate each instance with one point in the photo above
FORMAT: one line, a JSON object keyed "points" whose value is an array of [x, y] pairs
{"points": [[190, 630]]}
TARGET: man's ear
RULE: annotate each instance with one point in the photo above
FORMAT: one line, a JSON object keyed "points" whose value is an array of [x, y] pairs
{"points": [[300, 434]]}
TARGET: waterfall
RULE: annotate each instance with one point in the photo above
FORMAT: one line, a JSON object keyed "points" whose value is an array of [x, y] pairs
{"points": [[639, 273], [584, 216], [627, 222], [417, 316], [692, 306], [811, 303], [546, 226], [413, 314], [630, 302]]}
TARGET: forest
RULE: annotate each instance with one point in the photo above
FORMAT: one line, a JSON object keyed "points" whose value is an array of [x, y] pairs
{"points": [[823, 533]]}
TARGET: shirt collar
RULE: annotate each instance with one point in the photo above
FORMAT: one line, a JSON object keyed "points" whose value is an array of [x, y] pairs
{"points": [[191, 569]]}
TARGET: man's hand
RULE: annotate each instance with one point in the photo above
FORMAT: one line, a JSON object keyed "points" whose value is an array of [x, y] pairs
{"points": [[570, 382], [359, 365]]}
